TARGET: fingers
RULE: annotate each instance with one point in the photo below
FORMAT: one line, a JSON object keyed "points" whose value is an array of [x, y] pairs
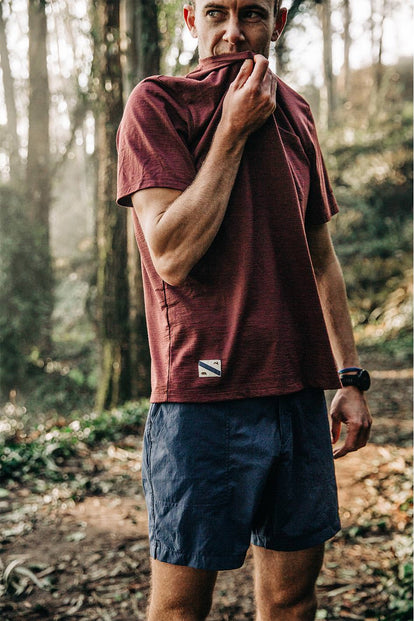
{"points": [[354, 440], [350, 408], [262, 78], [261, 65], [251, 97], [255, 73], [357, 436], [244, 73]]}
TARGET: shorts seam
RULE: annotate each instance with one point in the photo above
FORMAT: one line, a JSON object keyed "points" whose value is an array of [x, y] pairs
{"points": [[153, 516]]}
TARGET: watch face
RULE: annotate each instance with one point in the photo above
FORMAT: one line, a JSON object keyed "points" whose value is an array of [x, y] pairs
{"points": [[361, 380], [364, 380]]}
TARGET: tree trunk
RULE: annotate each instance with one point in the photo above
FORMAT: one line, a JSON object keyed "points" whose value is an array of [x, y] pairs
{"points": [[38, 179], [347, 47], [376, 22], [8, 88], [327, 62], [142, 58], [112, 277], [143, 49]]}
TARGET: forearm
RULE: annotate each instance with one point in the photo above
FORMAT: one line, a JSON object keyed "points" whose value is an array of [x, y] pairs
{"points": [[333, 297], [185, 229]]}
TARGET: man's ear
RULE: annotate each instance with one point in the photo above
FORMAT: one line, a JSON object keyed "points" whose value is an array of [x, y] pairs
{"points": [[189, 18], [279, 24]]}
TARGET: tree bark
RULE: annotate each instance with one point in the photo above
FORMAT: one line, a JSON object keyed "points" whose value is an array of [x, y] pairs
{"points": [[142, 49], [38, 158], [112, 278], [142, 58], [8, 88], [38, 178]]}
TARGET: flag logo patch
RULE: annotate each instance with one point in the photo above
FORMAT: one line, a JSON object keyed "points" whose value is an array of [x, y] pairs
{"points": [[209, 368]]}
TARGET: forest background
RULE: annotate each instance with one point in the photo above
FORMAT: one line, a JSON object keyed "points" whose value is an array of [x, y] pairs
{"points": [[72, 328], [74, 361]]}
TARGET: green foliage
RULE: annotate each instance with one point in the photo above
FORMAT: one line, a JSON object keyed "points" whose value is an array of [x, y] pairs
{"points": [[42, 451], [25, 288], [399, 585], [60, 385], [371, 170]]}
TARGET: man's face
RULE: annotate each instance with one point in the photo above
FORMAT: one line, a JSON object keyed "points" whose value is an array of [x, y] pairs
{"points": [[227, 26]]}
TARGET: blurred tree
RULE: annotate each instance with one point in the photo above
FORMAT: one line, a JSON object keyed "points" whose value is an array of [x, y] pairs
{"points": [[38, 177], [325, 9], [376, 21], [12, 139], [347, 45], [142, 58], [142, 41], [380, 10], [114, 385]]}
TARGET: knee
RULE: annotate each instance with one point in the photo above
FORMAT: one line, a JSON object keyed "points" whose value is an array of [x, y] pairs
{"points": [[179, 609], [289, 606]]}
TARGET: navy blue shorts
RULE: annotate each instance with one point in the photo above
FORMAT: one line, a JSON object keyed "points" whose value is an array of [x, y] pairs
{"points": [[219, 476]]}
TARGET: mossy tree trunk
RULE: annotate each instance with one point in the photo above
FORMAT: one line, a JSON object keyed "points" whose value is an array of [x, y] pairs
{"points": [[111, 229], [38, 175], [142, 58]]}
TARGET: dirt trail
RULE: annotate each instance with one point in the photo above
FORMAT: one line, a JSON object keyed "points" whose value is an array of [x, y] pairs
{"points": [[91, 557]]}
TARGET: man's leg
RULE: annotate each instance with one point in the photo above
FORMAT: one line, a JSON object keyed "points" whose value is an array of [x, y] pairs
{"points": [[180, 593], [285, 583]]}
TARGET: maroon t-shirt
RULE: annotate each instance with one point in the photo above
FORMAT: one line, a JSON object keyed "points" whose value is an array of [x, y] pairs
{"points": [[248, 319]]}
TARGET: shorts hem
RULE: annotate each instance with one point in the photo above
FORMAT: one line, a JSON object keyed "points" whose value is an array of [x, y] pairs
{"points": [[294, 544], [159, 552]]}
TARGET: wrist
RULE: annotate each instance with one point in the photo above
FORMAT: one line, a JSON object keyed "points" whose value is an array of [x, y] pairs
{"points": [[230, 139], [355, 377]]}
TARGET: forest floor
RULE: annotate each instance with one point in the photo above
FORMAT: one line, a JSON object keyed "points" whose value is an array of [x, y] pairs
{"points": [[88, 559]]}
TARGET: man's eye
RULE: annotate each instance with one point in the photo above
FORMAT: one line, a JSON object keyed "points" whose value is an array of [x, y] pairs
{"points": [[252, 16], [214, 14]]}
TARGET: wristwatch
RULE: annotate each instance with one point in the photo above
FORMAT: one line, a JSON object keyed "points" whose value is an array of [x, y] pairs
{"points": [[359, 378]]}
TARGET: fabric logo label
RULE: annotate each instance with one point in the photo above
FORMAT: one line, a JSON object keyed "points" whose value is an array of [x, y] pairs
{"points": [[209, 368]]}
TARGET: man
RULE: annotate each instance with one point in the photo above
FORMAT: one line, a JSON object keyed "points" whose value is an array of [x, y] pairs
{"points": [[244, 301]]}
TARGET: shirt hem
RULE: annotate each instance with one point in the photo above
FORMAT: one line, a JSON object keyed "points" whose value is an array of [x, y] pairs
{"points": [[185, 396]]}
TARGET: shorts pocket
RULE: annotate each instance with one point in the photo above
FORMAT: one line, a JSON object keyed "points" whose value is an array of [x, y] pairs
{"points": [[189, 460]]}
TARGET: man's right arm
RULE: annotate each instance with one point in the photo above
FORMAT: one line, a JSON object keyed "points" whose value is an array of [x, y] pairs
{"points": [[179, 227]]}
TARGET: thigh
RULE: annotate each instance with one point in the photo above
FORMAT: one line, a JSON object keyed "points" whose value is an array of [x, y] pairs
{"points": [[298, 508], [186, 471], [286, 577], [177, 588]]}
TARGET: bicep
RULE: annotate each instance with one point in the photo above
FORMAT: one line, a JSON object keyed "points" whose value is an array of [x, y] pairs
{"points": [[150, 205]]}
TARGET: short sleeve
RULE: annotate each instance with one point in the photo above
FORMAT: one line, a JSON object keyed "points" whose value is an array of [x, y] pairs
{"points": [[322, 204], [151, 142]]}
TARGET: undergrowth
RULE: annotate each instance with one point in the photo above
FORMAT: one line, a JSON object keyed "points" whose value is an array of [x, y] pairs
{"points": [[28, 451]]}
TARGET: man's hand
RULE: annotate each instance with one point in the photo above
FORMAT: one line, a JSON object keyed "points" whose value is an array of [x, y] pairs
{"points": [[350, 407], [251, 97]]}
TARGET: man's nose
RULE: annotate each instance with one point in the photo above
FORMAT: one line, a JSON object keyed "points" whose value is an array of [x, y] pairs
{"points": [[233, 33]]}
